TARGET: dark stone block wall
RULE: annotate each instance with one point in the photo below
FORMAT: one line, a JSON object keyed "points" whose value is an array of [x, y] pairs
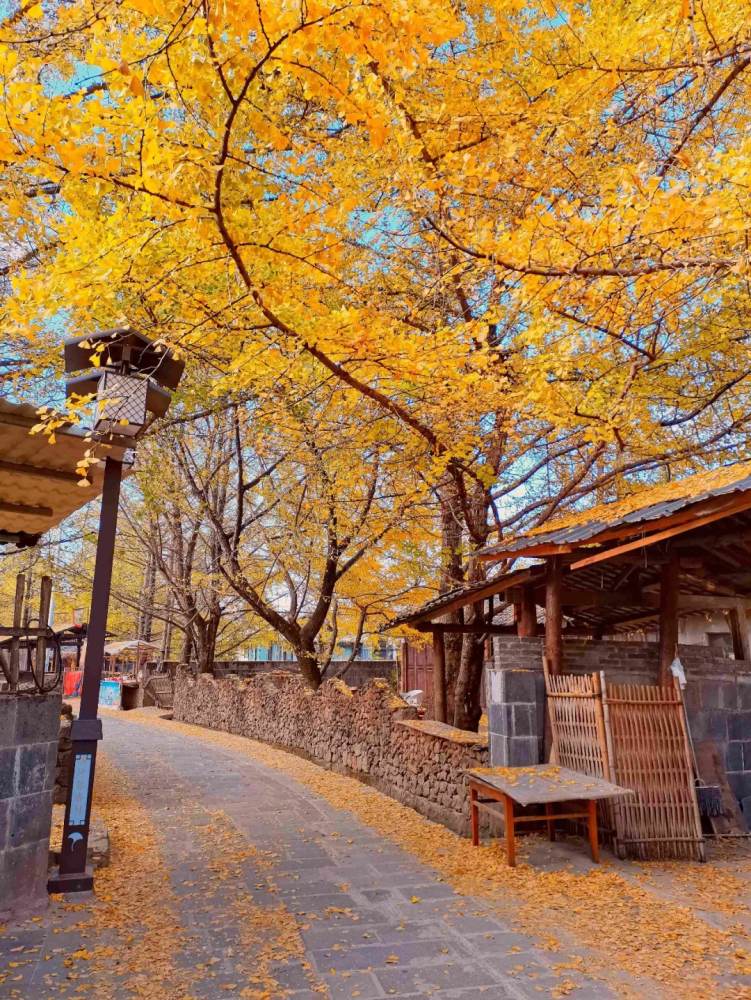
{"points": [[717, 695], [29, 726], [516, 717]]}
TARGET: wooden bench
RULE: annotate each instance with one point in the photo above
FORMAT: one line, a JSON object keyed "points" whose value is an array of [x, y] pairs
{"points": [[541, 784]]}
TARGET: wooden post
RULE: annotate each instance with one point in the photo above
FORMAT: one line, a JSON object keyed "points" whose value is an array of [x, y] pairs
{"points": [[439, 676], [739, 630], [593, 841], [668, 616], [508, 815], [14, 643], [45, 600], [527, 625], [550, 815], [554, 615], [474, 815]]}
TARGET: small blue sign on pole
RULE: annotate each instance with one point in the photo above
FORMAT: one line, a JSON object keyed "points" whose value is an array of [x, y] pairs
{"points": [[79, 798]]}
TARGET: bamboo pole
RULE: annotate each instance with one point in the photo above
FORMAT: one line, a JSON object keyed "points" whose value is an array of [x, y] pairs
{"points": [[14, 643], [668, 616], [45, 600]]}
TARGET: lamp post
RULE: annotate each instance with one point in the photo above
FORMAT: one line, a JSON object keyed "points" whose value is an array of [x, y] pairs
{"points": [[126, 388]]}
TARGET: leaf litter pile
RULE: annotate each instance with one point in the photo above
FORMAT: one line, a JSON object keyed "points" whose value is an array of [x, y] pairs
{"points": [[130, 941], [625, 923]]}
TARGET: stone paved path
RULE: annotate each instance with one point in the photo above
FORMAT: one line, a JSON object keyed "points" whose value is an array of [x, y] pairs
{"points": [[328, 862]]}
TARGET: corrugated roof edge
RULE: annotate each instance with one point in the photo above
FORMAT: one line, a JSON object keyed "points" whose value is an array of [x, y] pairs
{"points": [[582, 525], [437, 603]]}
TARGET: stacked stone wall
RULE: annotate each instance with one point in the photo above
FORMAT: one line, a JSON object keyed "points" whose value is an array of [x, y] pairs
{"points": [[64, 751], [369, 732], [358, 673]]}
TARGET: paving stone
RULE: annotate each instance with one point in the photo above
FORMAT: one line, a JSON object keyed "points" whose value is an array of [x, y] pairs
{"points": [[499, 942], [366, 985], [376, 956], [405, 980], [428, 892], [289, 822], [290, 975]]}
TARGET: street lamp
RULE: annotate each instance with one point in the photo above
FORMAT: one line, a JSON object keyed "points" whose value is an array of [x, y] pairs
{"points": [[132, 381]]}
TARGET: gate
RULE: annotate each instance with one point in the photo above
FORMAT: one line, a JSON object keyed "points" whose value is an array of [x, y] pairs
{"points": [[417, 669]]}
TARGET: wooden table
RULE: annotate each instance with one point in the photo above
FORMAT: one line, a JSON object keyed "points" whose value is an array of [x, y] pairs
{"points": [[542, 784]]}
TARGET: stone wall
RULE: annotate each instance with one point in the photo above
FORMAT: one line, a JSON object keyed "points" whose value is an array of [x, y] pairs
{"points": [[370, 733], [718, 692], [64, 751], [358, 675], [29, 727]]}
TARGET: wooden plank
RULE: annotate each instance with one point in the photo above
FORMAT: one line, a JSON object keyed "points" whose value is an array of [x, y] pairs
{"points": [[453, 627], [706, 602], [21, 632], [543, 783], [537, 818], [660, 536], [540, 551]]}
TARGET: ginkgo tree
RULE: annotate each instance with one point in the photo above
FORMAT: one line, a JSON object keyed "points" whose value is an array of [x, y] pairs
{"points": [[519, 233]]}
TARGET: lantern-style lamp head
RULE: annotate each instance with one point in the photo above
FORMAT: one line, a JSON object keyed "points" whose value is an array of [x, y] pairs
{"points": [[131, 381]]}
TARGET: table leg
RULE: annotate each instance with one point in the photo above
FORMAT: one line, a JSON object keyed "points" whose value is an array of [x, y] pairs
{"points": [[508, 812], [593, 842], [475, 816], [550, 814]]}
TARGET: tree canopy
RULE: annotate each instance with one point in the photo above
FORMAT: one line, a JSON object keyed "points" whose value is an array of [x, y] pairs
{"points": [[509, 241]]}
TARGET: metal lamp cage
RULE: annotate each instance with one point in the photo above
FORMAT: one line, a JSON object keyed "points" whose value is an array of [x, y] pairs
{"points": [[121, 404]]}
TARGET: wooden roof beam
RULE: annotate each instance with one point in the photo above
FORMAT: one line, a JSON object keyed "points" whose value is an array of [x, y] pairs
{"points": [[23, 508], [466, 629], [35, 470], [462, 600]]}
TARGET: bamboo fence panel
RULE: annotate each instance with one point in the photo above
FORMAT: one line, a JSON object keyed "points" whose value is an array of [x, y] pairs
{"points": [[577, 724], [651, 756]]}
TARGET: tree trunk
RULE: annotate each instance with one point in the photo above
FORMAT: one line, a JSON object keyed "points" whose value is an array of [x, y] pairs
{"points": [[187, 648], [148, 596], [452, 575], [467, 707], [206, 647], [308, 664]]}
